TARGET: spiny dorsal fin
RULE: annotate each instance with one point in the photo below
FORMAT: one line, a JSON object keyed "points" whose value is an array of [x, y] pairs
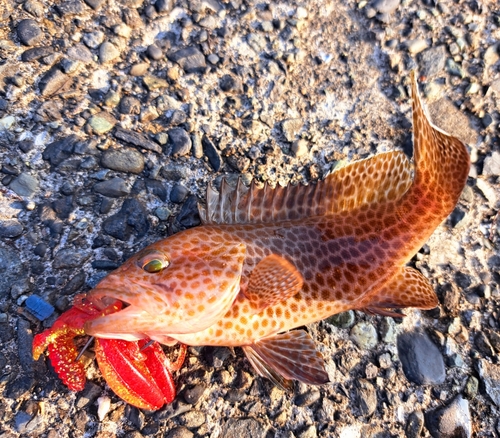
{"points": [[291, 355], [384, 177], [273, 280]]}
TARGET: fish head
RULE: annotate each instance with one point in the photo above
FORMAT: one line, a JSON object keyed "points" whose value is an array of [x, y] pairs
{"points": [[181, 284]]}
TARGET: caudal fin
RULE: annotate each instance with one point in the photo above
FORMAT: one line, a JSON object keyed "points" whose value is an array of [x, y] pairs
{"points": [[441, 160]]}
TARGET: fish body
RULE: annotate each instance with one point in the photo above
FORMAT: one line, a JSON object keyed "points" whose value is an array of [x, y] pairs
{"points": [[305, 253]]}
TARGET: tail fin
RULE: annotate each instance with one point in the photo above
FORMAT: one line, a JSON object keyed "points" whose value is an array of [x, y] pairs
{"points": [[441, 161]]}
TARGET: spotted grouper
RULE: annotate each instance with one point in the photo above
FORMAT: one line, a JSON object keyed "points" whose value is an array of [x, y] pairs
{"points": [[266, 261]]}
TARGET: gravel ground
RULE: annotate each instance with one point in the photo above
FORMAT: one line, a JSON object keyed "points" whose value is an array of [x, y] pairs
{"points": [[114, 116]]}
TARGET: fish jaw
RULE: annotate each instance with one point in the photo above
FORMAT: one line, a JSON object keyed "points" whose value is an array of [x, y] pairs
{"points": [[191, 285]]}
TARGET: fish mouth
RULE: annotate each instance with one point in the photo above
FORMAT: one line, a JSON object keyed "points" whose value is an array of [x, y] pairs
{"points": [[103, 297]]}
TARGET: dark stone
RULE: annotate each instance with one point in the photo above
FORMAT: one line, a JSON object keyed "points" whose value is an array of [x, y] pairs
{"points": [[4, 105], [40, 250], [69, 7], [307, 398], [486, 120], [192, 394], [52, 82], [212, 153], [366, 397], [89, 395], [137, 139], [164, 5], [129, 105], [6, 180], [20, 387], [58, 151], [106, 205], [231, 84], [483, 344], [135, 416], [456, 216], [190, 59], [26, 145], [105, 265], [154, 52], [29, 32], [414, 425], [11, 269], [188, 217], [178, 193], [74, 284], [24, 345], [243, 427], [156, 188], [452, 421], [63, 207], [114, 188], [421, 360], [180, 141], [463, 280], [123, 160], [132, 219], [36, 53], [10, 228], [37, 267], [101, 241]]}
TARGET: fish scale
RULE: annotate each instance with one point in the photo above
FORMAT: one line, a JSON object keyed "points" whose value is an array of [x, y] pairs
{"points": [[333, 246]]}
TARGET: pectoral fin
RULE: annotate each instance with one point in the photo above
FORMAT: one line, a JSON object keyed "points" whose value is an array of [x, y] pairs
{"points": [[273, 280], [409, 288], [291, 355]]}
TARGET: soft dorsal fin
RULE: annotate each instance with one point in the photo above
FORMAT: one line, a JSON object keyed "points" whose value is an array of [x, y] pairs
{"points": [[290, 355], [409, 288], [273, 280], [383, 177]]}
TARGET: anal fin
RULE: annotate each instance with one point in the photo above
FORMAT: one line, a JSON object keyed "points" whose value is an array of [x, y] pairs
{"points": [[290, 355], [273, 280], [409, 288]]}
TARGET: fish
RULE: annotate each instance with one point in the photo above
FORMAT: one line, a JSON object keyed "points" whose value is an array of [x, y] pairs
{"points": [[267, 261]]}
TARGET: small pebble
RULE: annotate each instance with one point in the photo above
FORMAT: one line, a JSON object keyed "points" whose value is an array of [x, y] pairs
{"points": [[451, 421], [102, 123], [386, 6], [154, 52], [364, 335], [178, 193], [421, 360], [108, 52], [123, 159], [180, 141], [29, 32], [103, 407]]}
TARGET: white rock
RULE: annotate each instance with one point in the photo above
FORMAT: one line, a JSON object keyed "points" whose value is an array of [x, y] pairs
{"points": [[7, 122]]}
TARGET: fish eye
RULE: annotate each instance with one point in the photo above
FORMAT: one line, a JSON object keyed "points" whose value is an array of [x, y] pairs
{"points": [[153, 262]]}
